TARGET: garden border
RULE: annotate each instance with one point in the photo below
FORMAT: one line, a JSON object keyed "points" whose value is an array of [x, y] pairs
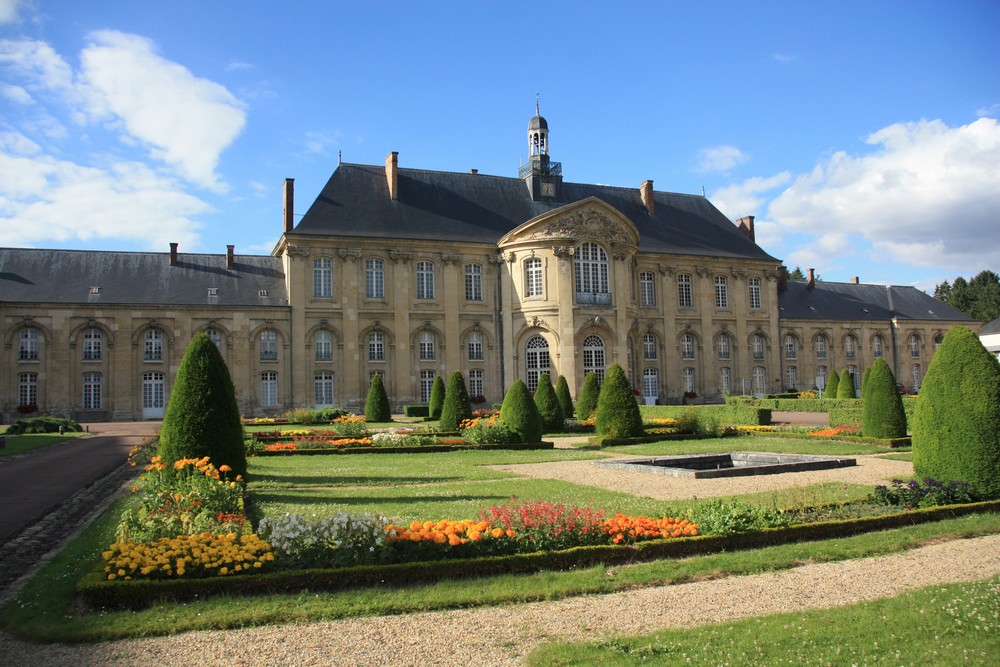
{"points": [[415, 449]]}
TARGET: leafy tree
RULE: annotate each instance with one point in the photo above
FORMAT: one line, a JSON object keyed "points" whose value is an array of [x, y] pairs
{"points": [[565, 398], [797, 275], [457, 407], [882, 414], [436, 401], [617, 411], [202, 418], [377, 405], [548, 405], [520, 413], [845, 388], [832, 383], [955, 434], [586, 402], [979, 297]]}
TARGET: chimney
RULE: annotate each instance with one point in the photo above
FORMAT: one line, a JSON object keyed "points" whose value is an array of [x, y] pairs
{"points": [[782, 278], [746, 226], [392, 174], [230, 256], [173, 254], [812, 278], [289, 204], [646, 192], [473, 171], [855, 280]]}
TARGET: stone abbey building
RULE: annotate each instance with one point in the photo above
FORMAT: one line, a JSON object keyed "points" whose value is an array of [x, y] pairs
{"points": [[414, 274]]}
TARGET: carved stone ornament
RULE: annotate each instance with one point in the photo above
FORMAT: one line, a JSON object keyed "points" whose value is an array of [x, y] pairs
{"points": [[563, 251], [398, 256], [350, 254], [495, 259], [739, 274], [585, 225], [450, 258], [703, 271], [666, 269], [297, 251], [619, 254], [535, 321], [771, 276], [510, 257]]}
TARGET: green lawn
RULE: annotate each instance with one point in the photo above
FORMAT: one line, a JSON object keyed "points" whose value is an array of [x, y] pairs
{"points": [[16, 444]]}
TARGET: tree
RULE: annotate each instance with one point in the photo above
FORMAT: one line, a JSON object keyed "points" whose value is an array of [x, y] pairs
{"points": [[377, 405], [832, 382], [202, 418], [548, 405], [586, 402], [436, 401], [617, 411], [979, 297], [797, 275], [845, 388], [520, 413], [565, 398], [457, 407], [955, 434], [882, 414]]}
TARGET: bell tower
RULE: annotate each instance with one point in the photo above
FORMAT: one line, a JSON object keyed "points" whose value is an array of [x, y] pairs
{"points": [[542, 176]]}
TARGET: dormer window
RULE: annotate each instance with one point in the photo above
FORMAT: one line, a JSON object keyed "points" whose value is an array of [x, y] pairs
{"points": [[262, 293], [214, 291], [95, 290]]}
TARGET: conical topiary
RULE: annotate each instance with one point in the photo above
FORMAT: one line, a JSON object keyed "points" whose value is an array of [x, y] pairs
{"points": [[832, 382], [586, 402], [845, 388], [202, 418], [955, 433], [520, 413], [617, 411], [457, 407], [377, 405], [882, 414], [565, 398], [864, 380], [548, 405], [436, 401]]}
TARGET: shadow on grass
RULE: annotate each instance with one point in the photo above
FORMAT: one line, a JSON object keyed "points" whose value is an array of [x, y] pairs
{"points": [[271, 480]]}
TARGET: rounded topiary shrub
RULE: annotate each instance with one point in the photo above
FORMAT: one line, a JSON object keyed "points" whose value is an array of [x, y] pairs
{"points": [[520, 413], [586, 402], [845, 388], [882, 414], [617, 411], [548, 405], [457, 407], [565, 398], [436, 402], [377, 404], [202, 418], [44, 424], [955, 421], [832, 383]]}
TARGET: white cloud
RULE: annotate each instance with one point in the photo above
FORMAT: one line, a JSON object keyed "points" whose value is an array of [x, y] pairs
{"points": [[319, 143], [928, 195], [720, 158], [826, 251], [784, 58], [748, 197], [183, 120], [37, 63], [9, 10], [259, 189], [234, 65], [15, 94], [993, 110]]}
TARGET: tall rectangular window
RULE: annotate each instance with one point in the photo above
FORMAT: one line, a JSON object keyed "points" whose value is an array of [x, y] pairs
{"points": [[915, 346], [647, 288], [426, 345], [726, 380], [754, 286], [323, 343], [473, 282], [533, 277], [877, 346], [476, 386], [790, 347], [821, 347], [648, 346], [154, 346], [591, 265], [27, 389], [688, 376], [268, 346], [376, 346], [650, 383], [269, 389], [323, 389], [374, 279], [721, 292], [684, 298], [28, 344], [791, 378], [850, 347], [475, 346], [425, 280], [426, 383], [92, 391], [93, 345], [757, 346], [759, 380], [725, 349], [322, 277], [687, 346]]}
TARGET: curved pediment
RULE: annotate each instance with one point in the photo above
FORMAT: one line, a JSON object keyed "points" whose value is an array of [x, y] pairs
{"points": [[590, 219]]}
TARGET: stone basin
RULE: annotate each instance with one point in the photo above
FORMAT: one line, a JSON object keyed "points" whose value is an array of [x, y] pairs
{"points": [[728, 464]]}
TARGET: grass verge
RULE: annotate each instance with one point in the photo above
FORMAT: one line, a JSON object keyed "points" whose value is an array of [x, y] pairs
{"points": [[17, 444]]}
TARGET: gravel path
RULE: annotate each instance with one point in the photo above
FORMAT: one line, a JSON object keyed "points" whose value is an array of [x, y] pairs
{"points": [[503, 635]]}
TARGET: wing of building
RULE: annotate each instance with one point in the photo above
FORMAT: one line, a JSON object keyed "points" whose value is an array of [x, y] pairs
{"points": [[413, 274]]}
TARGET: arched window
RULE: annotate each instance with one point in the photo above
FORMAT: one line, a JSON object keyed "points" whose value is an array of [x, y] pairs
{"points": [[757, 346], [323, 345], [536, 356], [850, 346], [28, 344], [591, 266], [647, 288], [374, 279], [475, 346], [323, 389], [92, 385], [426, 383], [684, 291], [425, 280], [753, 285], [427, 346], [269, 389], [724, 344], [153, 346], [687, 346], [648, 346], [473, 282], [376, 346], [27, 389], [322, 277], [721, 292], [915, 346], [938, 339], [878, 346], [268, 345], [533, 277], [820, 344], [93, 345], [791, 348], [593, 357]]}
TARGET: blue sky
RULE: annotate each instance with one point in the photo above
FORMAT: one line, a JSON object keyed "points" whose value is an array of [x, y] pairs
{"points": [[862, 135]]}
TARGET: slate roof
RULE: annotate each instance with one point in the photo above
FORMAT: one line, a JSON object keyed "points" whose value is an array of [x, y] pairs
{"points": [[992, 327], [136, 278], [850, 301], [449, 206]]}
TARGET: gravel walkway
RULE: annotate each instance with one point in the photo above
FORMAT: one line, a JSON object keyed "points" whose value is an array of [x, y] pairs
{"points": [[504, 635]]}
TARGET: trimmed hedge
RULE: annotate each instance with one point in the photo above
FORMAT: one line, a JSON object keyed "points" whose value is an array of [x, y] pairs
{"points": [[43, 424], [416, 410], [882, 413], [745, 414], [565, 398], [549, 408], [457, 407], [377, 404], [520, 413], [617, 411], [586, 402], [408, 449]]}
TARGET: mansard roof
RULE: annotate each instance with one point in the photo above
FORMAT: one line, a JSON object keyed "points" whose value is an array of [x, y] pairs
{"points": [[477, 208], [137, 278], [851, 301]]}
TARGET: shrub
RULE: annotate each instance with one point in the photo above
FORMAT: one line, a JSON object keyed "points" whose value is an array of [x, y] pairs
{"points": [[436, 402], [565, 399], [586, 402], [377, 405], [726, 517], [489, 430], [864, 380], [457, 407], [832, 383], [845, 388], [954, 427], [351, 426], [931, 493], [336, 541], [202, 418], [617, 411], [32, 425], [882, 413], [520, 413], [548, 405]]}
